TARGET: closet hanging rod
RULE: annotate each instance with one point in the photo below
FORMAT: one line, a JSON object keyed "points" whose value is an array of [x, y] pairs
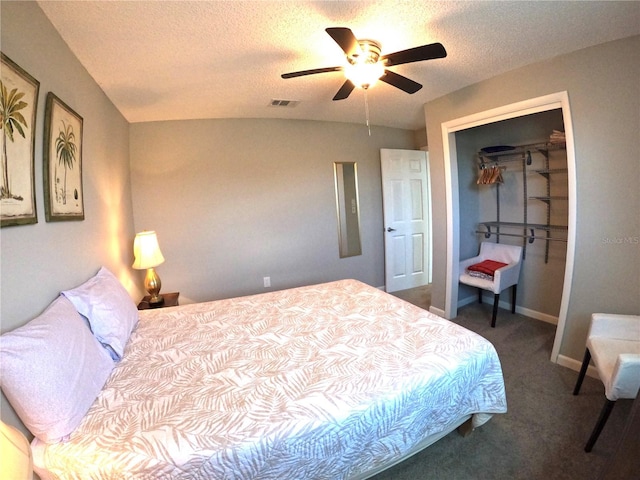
{"points": [[494, 161], [530, 238], [536, 226]]}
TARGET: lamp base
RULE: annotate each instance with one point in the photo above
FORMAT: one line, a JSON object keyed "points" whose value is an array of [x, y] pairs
{"points": [[152, 285], [156, 303]]}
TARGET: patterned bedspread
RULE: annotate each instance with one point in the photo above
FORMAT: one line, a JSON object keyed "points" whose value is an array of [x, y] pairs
{"points": [[319, 382]]}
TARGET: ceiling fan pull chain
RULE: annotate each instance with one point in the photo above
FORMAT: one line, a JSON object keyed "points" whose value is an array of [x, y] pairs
{"points": [[366, 110]]}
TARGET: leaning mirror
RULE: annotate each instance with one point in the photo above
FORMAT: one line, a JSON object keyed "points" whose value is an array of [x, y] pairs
{"points": [[348, 208]]}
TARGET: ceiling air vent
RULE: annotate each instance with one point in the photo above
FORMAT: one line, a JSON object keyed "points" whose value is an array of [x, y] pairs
{"points": [[284, 103]]}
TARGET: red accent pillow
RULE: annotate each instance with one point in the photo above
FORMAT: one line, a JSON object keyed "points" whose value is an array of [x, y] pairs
{"points": [[488, 267]]}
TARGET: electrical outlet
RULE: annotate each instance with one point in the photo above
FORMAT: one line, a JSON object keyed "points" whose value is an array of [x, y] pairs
{"points": [[266, 281]]}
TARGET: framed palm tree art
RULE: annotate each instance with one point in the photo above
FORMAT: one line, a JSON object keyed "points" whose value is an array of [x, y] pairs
{"points": [[18, 103], [62, 153]]}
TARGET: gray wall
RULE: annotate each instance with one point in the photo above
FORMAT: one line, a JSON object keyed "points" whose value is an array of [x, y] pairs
{"points": [[40, 260], [604, 94], [234, 201]]}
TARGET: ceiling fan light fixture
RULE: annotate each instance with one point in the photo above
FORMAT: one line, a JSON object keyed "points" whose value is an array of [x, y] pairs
{"points": [[364, 68], [364, 75]]}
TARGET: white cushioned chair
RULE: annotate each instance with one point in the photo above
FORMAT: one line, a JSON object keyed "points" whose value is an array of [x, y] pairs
{"points": [[503, 278], [613, 343]]}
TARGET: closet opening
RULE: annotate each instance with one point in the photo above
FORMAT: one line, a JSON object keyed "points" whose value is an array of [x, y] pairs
{"points": [[510, 179]]}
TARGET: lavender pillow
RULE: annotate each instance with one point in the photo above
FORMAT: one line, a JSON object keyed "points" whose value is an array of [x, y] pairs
{"points": [[52, 370], [110, 310]]}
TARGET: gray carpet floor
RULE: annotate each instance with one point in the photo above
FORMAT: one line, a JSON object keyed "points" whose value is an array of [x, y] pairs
{"points": [[542, 435]]}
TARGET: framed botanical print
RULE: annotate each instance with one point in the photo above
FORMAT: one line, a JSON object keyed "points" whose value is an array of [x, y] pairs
{"points": [[62, 153], [18, 104]]}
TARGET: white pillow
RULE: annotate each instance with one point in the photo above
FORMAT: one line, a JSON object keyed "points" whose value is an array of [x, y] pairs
{"points": [[111, 312], [52, 370]]}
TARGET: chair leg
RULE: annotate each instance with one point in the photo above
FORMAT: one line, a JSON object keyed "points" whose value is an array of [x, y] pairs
{"points": [[604, 416], [513, 298], [496, 299], [480, 295], [583, 370]]}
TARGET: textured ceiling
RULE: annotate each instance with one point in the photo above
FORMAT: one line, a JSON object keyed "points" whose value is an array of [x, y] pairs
{"points": [[166, 60]]}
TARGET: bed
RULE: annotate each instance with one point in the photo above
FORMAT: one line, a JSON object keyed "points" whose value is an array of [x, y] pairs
{"points": [[332, 381]]}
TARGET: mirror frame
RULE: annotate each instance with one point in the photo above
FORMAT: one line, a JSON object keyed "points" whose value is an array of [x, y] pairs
{"points": [[349, 231]]}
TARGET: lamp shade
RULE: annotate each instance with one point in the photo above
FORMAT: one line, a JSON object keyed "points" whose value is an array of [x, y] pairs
{"points": [[146, 251], [16, 454]]}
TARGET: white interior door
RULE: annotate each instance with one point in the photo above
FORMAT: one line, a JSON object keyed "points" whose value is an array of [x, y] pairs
{"points": [[407, 218]]}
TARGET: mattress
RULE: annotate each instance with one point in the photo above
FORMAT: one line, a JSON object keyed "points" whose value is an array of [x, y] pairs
{"points": [[327, 381]]}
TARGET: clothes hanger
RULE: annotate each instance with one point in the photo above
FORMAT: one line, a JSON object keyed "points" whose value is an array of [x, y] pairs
{"points": [[490, 175]]}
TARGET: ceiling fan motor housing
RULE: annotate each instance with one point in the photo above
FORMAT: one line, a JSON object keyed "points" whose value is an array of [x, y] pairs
{"points": [[370, 53]]}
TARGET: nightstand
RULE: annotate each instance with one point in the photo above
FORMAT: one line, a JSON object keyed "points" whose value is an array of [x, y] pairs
{"points": [[170, 300]]}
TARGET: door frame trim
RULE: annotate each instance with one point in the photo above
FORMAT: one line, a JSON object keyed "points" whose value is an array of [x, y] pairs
{"points": [[559, 100]]}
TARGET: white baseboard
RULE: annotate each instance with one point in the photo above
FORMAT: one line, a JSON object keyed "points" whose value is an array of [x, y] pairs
{"points": [[544, 317], [437, 311], [466, 301], [574, 364]]}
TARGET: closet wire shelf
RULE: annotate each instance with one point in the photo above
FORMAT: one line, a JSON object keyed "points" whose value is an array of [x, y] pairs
{"points": [[523, 155], [521, 152]]}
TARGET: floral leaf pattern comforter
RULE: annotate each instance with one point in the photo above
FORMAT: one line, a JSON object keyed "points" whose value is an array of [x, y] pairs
{"points": [[320, 382]]}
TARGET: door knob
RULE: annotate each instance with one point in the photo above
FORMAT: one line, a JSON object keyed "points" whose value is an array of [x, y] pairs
{"points": [[389, 229]]}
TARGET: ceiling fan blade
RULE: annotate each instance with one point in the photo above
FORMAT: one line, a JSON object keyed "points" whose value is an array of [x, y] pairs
{"points": [[345, 90], [345, 38], [311, 72], [417, 54], [401, 82]]}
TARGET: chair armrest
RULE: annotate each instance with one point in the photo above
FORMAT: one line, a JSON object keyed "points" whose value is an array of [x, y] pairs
{"points": [[610, 325], [506, 276], [625, 380]]}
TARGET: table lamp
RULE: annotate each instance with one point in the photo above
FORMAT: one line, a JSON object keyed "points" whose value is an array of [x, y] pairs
{"points": [[148, 256]]}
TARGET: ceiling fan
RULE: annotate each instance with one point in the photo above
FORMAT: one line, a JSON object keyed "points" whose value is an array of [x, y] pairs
{"points": [[365, 65]]}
